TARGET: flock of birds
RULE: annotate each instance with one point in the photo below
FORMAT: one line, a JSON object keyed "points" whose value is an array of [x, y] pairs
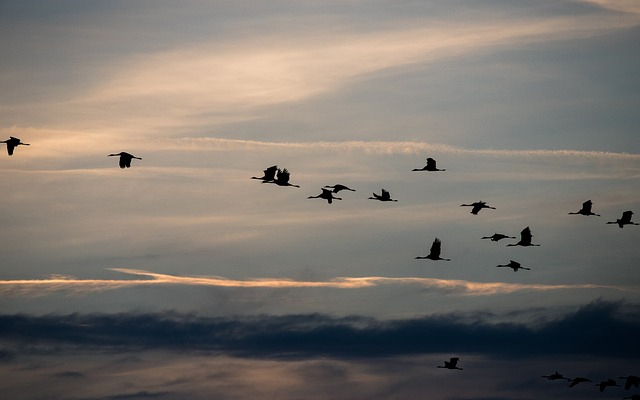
{"points": [[630, 381], [281, 177]]}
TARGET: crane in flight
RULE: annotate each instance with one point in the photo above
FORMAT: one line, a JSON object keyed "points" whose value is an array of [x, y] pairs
{"points": [[555, 376], [384, 196], [282, 178], [431, 166], [586, 209], [631, 380], [525, 238], [625, 220], [497, 237], [477, 206], [451, 364], [514, 265], [603, 385], [327, 195], [338, 187], [269, 174], [434, 252], [125, 159], [12, 143]]}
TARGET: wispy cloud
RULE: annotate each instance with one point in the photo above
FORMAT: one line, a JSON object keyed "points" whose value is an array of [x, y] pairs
{"points": [[460, 287], [233, 77], [626, 6], [386, 147]]}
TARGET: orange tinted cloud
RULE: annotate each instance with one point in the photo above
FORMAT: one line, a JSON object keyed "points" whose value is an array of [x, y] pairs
{"points": [[461, 287]]}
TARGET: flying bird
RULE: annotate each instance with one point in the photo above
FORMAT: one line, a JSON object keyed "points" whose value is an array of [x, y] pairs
{"points": [[327, 195], [282, 178], [525, 238], [125, 159], [631, 380], [515, 266], [586, 209], [498, 236], [431, 166], [609, 382], [555, 376], [12, 143], [338, 187], [434, 253], [269, 174], [451, 364], [385, 196], [625, 220], [477, 206], [578, 380]]}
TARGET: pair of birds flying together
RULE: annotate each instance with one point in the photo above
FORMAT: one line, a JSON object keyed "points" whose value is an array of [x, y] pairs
{"points": [[328, 194], [621, 222], [525, 238], [124, 162], [277, 176]]}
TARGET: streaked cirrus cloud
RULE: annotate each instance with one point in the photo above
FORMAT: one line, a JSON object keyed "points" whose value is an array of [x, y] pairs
{"points": [[57, 283]]}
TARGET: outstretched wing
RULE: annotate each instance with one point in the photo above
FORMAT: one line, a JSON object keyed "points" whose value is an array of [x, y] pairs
{"points": [[526, 235], [436, 248], [431, 163], [270, 173], [283, 175]]}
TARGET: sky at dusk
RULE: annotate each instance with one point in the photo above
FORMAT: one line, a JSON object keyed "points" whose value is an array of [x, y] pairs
{"points": [[184, 278]]}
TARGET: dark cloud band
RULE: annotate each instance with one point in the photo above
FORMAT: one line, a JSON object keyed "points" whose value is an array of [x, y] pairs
{"points": [[582, 332]]}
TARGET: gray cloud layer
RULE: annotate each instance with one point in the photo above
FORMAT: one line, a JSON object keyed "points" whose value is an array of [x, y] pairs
{"points": [[597, 329]]}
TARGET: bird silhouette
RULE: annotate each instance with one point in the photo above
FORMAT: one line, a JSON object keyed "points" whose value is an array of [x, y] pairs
{"points": [[451, 364], [434, 253], [385, 196], [625, 220], [609, 382], [497, 237], [477, 206], [12, 143], [630, 380], [555, 376], [525, 238], [269, 174], [586, 209], [338, 187], [327, 195], [431, 166], [125, 159], [282, 178], [578, 380], [514, 265]]}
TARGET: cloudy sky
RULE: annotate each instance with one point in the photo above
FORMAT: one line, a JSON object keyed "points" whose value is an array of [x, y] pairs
{"points": [[182, 277]]}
